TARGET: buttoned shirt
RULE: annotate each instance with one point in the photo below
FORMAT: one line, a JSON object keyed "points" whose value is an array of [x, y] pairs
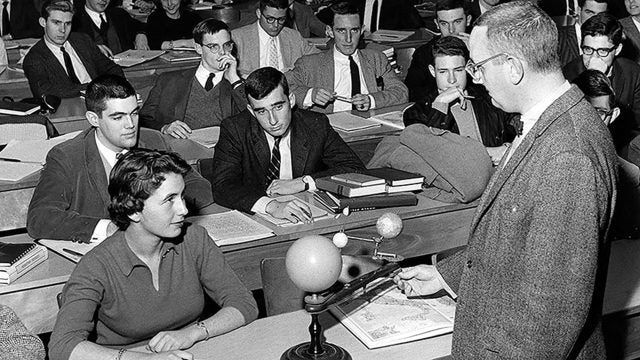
{"points": [[78, 67], [202, 75], [95, 16], [265, 42]]}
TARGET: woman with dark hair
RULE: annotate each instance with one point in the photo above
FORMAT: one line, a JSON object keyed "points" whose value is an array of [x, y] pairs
{"points": [[148, 280], [170, 25]]}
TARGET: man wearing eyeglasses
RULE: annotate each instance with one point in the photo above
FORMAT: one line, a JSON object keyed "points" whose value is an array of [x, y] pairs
{"points": [[531, 278], [601, 47], [184, 100], [267, 42], [569, 37]]}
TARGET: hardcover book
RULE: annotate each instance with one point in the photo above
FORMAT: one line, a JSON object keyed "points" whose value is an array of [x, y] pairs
{"points": [[17, 108], [396, 177], [337, 203], [348, 190]]}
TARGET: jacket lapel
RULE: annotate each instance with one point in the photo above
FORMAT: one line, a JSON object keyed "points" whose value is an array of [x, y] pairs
{"points": [[51, 59], [299, 146], [327, 73], [186, 81], [368, 67], [95, 167], [259, 144]]}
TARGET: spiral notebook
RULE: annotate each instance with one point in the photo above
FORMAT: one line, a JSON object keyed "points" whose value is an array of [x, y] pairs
{"points": [[12, 253]]}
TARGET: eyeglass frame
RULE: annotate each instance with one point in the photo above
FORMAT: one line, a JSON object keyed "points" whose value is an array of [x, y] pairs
{"points": [[270, 19], [598, 50], [215, 48], [473, 68], [606, 113]]}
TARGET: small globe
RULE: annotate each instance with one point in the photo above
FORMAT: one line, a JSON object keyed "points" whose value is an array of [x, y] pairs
{"points": [[313, 263], [389, 225]]}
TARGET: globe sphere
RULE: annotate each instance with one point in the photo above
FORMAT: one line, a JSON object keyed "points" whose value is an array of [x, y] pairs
{"points": [[313, 263], [340, 239], [389, 225]]}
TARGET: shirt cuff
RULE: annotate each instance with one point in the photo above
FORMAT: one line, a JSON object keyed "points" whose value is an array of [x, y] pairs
{"points": [[440, 106], [100, 232], [261, 205], [308, 102], [372, 100], [312, 184]]}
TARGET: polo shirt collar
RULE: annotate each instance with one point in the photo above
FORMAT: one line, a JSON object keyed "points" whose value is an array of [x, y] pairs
{"points": [[126, 260]]}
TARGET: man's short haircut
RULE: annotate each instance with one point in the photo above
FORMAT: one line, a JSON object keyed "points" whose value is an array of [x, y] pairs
{"points": [[208, 26], [521, 29], [278, 4], [450, 46], [594, 83], [135, 177], [263, 81], [603, 24], [444, 5], [345, 8], [55, 5], [106, 87], [582, 2]]}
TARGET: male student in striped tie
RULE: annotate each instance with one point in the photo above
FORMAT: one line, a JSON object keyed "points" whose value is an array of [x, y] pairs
{"points": [[274, 149]]}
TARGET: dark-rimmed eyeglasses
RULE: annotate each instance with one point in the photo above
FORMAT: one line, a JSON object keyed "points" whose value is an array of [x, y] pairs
{"points": [[602, 52], [473, 68], [271, 19], [215, 48], [604, 114]]}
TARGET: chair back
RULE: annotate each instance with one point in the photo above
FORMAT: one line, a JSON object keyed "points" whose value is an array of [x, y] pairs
{"points": [[281, 295]]}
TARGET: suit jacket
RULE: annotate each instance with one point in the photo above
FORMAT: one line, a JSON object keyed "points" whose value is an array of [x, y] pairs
{"points": [[242, 156], [394, 15], [419, 80], [494, 124], [24, 19], [568, 44], [126, 27], [625, 80], [72, 196], [292, 47], [317, 70], [631, 45], [532, 277], [306, 22], [47, 76], [168, 99]]}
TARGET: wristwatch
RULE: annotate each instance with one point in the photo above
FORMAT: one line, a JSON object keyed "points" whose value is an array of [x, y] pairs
{"points": [[306, 180]]}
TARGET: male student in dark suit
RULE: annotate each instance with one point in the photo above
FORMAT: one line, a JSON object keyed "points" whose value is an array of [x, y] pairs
{"points": [[345, 77], [569, 37], [112, 28], [531, 280], [63, 63], [273, 149], [300, 17], [71, 199], [382, 14], [601, 49], [198, 97], [452, 19], [22, 16]]}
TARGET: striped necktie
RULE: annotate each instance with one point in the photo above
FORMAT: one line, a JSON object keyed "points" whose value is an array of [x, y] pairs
{"points": [[273, 53], [274, 165]]}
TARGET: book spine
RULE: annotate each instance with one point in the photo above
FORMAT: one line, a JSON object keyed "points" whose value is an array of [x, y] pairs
{"points": [[16, 271], [334, 187], [364, 203]]}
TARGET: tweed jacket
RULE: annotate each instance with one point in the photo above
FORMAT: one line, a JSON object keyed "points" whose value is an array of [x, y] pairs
{"points": [[47, 76], [292, 47], [532, 277], [71, 196], [242, 156], [16, 342], [168, 99], [317, 70]]}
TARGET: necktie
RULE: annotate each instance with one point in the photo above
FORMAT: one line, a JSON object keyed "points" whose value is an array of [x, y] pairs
{"points": [[355, 78], [209, 84], [273, 53], [374, 17], [517, 123], [6, 25], [104, 26], [69, 66], [274, 165]]}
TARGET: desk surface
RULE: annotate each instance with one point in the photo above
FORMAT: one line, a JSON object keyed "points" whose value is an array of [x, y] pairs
{"points": [[268, 338]]}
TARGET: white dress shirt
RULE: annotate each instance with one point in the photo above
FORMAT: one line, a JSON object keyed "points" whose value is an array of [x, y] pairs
{"points": [[95, 16], [202, 75], [78, 67], [368, 11], [265, 42], [286, 170]]}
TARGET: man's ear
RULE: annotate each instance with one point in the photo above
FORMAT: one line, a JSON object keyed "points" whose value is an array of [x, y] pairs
{"points": [[329, 31], [258, 13], [614, 115], [468, 22], [92, 118], [135, 217], [516, 70], [435, 21], [42, 21], [198, 48], [618, 50], [292, 100], [432, 70]]}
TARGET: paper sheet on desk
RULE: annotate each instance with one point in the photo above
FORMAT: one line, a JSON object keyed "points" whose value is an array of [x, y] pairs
{"points": [[389, 35], [134, 57], [348, 122], [16, 171], [58, 247], [392, 119], [207, 137], [316, 213], [33, 151], [232, 227]]}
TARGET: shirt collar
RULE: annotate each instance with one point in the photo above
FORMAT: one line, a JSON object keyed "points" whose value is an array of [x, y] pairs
{"points": [[531, 116], [95, 16], [202, 75], [125, 258], [262, 35], [109, 155], [55, 48], [341, 58]]}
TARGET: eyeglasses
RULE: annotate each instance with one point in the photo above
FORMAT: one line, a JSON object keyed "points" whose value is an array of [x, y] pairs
{"points": [[215, 48], [602, 52], [474, 68], [604, 114], [271, 19]]}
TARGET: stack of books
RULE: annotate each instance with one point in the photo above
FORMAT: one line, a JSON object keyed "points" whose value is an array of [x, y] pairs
{"points": [[17, 259]]}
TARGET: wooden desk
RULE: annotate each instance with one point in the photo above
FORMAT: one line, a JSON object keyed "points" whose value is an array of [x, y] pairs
{"points": [[429, 227], [268, 338]]}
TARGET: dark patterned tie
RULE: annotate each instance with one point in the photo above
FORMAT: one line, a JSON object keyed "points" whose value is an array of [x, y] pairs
{"points": [[374, 17], [274, 166], [104, 26], [6, 24], [209, 84], [355, 78], [69, 65]]}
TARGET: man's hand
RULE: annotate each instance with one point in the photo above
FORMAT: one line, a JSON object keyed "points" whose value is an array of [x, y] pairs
{"points": [[294, 210], [418, 280], [230, 66], [104, 49], [321, 96], [496, 153], [285, 187], [175, 340], [141, 42], [450, 95], [595, 63], [362, 102], [177, 129]]}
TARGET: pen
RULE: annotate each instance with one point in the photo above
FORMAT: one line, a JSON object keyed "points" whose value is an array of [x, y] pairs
{"points": [[10, 160], [306, 212], [342, 98], [68, 251]]}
